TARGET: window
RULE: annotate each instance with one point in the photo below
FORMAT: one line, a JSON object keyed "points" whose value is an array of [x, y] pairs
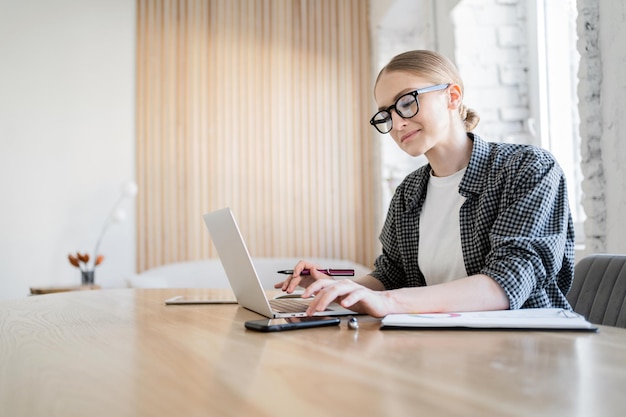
{"points": [[553, 91]]}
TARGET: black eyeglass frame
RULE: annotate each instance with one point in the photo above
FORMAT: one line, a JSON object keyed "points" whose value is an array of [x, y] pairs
{"points": [[415, 93]]}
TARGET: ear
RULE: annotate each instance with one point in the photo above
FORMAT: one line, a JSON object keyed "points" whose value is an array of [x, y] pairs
{"points": [[455, 96]]}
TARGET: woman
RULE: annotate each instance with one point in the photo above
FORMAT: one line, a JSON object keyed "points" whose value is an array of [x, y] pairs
{"points": [[482, 226]]}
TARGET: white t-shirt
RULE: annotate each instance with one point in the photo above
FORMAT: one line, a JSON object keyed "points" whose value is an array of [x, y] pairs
{"points": [[440, 255]]}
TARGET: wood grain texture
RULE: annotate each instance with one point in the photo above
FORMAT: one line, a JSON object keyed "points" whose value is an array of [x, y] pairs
{"points": [[262, 106], [124, 353]]}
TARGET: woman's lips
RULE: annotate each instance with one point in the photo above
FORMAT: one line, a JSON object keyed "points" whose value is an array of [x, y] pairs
{"points": [[408, 135]]}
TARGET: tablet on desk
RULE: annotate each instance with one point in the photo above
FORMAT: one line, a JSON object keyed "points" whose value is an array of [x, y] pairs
{"points": [[198, 299]]}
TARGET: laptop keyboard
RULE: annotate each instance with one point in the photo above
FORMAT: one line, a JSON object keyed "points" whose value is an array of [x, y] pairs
{"points": [[289, 305]]}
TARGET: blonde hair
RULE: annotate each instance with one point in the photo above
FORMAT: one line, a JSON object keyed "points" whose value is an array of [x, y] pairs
{"points": [[436, 68]]}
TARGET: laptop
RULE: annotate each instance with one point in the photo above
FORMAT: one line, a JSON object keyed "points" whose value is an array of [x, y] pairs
{"points": [[243, 277]]}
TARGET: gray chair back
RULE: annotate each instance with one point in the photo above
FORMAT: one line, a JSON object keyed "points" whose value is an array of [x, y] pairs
{"points": [[599, 289]]}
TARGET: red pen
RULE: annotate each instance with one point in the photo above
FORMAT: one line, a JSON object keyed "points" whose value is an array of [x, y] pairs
{"points": [[333, 272]]}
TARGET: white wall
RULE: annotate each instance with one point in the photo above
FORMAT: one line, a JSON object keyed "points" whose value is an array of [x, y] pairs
{"points": [[67, 94], [613, 99], [602, 44]]}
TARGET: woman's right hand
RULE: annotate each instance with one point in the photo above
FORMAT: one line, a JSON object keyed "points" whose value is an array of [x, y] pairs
{"points": [[294, 280]]}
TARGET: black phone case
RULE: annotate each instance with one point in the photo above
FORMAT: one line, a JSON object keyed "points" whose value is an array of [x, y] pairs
{"points": [[261, 326]]}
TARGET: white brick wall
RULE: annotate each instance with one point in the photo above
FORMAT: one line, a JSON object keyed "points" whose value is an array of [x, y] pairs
{"points": [[590, 75], [492, 57]]}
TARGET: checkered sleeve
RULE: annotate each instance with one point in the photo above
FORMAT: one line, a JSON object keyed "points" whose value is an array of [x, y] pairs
{"points": [[387, 267], [529, 235]]}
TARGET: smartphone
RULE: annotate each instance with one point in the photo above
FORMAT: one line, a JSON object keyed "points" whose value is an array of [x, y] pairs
{"points": [[290, 323]]}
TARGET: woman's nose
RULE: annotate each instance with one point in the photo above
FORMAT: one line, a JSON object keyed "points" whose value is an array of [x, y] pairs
{"points": [[397, 121]]}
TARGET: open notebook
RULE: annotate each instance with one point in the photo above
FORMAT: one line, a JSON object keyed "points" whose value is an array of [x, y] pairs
{"points": [[530, 318]]}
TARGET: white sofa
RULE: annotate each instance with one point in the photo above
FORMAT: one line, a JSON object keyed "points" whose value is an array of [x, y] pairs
{"points": [[210, 274]]}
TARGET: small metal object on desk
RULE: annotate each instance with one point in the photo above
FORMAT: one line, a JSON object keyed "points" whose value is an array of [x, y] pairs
{"points": [[353, 323]]}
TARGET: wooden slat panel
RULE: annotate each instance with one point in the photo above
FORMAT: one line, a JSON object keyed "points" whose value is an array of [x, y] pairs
{"points": [[261, 106]]}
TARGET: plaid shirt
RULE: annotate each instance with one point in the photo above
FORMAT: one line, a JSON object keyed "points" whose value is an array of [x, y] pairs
{"points": [[516, 226]]}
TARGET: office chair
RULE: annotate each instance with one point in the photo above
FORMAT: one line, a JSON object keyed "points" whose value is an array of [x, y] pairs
{"points": [[599, 289]]}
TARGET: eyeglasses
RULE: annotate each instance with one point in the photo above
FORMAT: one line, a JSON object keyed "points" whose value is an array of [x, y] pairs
{"points": [[406, 106]]}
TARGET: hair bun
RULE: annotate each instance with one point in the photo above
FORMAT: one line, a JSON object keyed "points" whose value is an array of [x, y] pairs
{"points": [[469, 116]]}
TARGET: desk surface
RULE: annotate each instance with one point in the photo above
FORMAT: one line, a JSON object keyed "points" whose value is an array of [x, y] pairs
{"points": [[124, 353]]}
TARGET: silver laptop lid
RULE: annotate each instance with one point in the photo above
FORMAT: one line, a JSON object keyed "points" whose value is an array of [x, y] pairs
{"points": [[236, 261]]}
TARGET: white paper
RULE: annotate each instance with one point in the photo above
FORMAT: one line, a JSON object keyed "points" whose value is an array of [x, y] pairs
{"points": [[530, 318]]}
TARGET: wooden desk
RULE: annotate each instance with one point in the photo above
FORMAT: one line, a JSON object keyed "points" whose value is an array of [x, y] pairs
{"points": [[124, 353]]}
